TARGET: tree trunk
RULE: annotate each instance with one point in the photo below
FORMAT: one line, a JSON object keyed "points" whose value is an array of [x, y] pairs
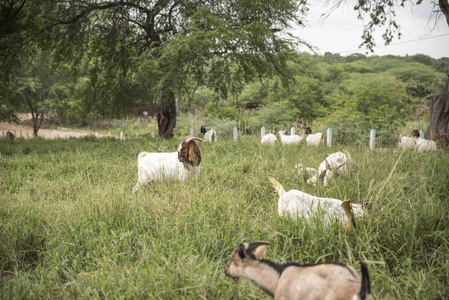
{"points": [[166, 120], [439, 118]]}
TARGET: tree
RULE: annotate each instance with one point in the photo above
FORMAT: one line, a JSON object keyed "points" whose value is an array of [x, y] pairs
{"points": [[439, 118], [38, 86], [220, 44]]}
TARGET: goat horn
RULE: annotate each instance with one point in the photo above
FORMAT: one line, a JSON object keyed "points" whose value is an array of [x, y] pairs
{"points": [[251, 246], [191, 138]]}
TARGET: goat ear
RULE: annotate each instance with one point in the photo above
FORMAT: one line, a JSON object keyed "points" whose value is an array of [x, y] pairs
{"points": [[260, 251], [194, 154]]}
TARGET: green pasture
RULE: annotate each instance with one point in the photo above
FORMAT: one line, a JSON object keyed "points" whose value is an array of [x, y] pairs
{"points": [[71, 229]]}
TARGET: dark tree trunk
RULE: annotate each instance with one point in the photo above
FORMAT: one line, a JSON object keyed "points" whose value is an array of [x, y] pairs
{"points": [[439, 118], [166, 119]]}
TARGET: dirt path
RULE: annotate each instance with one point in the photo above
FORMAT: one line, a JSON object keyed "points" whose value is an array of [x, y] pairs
{"points": [[21, 130]]}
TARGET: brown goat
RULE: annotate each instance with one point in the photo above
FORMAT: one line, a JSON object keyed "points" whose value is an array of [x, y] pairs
{"points": [[291, 281]]}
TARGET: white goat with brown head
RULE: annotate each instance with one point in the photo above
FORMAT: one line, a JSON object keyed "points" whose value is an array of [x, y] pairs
{"points": [[158, 166], [297, 204], [313, 139], [291, 281]]}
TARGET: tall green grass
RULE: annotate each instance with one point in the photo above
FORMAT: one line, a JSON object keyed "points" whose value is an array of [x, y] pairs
{"points": [[70, 227]]}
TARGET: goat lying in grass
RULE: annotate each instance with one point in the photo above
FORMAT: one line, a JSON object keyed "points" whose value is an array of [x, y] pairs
{"points": [[297, 204], [333, 164], [290, 139], [269, 138], [157, 166], [313, 139], [416, 143], [293, 281]]}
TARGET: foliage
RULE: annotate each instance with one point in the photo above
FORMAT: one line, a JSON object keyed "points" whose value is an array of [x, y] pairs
{"points": [[71, 228]]}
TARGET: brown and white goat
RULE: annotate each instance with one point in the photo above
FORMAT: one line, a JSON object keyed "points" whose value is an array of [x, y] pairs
{"points": [[313, 139], [293, 281], [157, 166]]}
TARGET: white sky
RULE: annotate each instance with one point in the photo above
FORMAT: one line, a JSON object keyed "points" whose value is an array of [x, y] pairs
{"points": [[341, 32]]}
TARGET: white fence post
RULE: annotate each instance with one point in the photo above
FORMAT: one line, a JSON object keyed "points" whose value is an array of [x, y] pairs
{"points": [[96, 135], [262, 131], [192, 131], [372, 139], [152, 133], [121, 135], [329, 137], [3, 132], [292, 131], [235, 133], [109, 134], [137, 134]]}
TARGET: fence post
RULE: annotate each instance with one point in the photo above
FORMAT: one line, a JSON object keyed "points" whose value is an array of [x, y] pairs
{"points": [[372, 139], [109, 134], [292, 131], [49, 135], [121, 135], [3, 132], [96, 135], [14, 132], [137, 134], [329, 137], [153, 134], [235, 133], [262, 131], [192, 131]]}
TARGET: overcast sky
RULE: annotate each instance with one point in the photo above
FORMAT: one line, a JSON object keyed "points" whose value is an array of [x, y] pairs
{"points": [[341, 32]]}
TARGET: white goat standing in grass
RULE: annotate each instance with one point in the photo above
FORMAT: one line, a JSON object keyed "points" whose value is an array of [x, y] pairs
{"points": [[269, 138], [333, 164], [210, 136], [297, 204], [290, 139], [291, 281], [157, 166], [313, 139]]}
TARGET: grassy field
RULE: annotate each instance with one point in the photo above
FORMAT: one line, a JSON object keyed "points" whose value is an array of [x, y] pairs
{"points": [[71, 229]]}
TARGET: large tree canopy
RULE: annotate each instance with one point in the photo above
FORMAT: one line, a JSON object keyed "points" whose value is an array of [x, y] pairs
{"points": [[175, 44]]}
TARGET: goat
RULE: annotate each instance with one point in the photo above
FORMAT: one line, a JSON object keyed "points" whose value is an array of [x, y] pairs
{"points": [[268, 139], [332, 164], [10, 135], [290, 139], [425, 145], [294, 281], [297, 204], [313, 139], [157, 166], [203, 130], [406, 142], [210, 136]]}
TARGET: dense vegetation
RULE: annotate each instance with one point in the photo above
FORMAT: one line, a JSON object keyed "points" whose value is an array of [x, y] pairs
{"points": [[70, 227]]}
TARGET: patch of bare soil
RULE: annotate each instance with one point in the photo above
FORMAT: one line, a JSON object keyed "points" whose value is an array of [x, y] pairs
{"points": [[26, 131]]}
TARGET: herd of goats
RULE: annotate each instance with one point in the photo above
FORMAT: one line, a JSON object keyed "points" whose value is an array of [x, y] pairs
{"points": [[291, 280]]}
